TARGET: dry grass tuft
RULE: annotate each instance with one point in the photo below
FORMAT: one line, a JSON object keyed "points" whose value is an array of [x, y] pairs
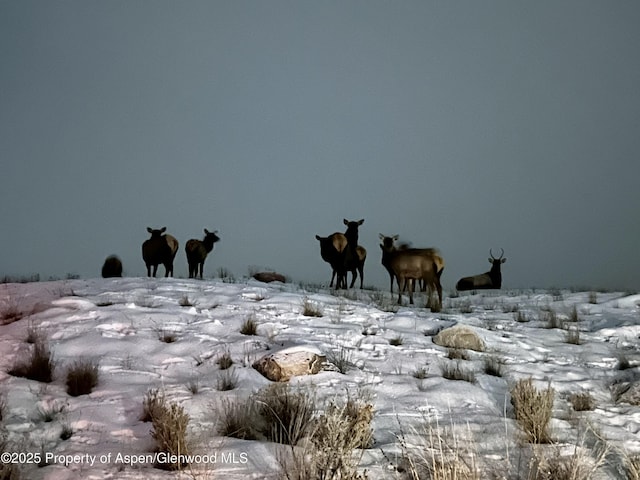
{"points": [[224, 361], [169, 430], [238, 419], [454, 371], [582, 402], [311, 309], [249, 326], [286, 413], [82, 377], [38, 366], [438, 455], [152, 400], [533, 409], [341, 429]]}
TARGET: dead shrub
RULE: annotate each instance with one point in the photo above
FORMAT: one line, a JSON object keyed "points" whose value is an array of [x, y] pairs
{"points": [[631, 466], [533, 410], [329, 453]]}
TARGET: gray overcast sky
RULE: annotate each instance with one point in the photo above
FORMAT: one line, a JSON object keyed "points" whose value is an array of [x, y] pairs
{"points": [[464, 125]]}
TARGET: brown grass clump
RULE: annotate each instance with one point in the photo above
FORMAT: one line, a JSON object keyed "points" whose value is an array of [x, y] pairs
{"points": [[249, 326], [311, 309], [82, 377], [169, 430], [286, 413], [459, 337], [38, 366], [153, 399], [533, 409], [582, 402], [329, 453], [438, 455], [238, 419]]}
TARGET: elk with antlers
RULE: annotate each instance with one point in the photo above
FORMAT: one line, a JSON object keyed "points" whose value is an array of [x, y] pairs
{"points": [[488, 280]]}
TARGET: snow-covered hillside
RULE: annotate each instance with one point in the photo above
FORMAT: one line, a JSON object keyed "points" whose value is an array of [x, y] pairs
{"points": [[124, 324]]}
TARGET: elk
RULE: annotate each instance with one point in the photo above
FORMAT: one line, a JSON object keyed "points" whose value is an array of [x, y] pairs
{"points": [[159, 249], [354, 255], [197, 251], [411, 264], [487, 280], [333, 250], [388, 245], [112, 267]]}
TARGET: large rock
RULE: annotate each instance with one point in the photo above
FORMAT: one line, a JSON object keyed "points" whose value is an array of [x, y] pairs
{"points": [[282, 365], [268, 277], [459, 337]]}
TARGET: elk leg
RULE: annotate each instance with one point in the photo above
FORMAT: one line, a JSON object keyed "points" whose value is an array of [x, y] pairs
{"points": [[411, 285]]}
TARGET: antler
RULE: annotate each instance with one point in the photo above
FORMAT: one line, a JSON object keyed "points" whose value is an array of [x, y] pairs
{"points": [[501, 254]]}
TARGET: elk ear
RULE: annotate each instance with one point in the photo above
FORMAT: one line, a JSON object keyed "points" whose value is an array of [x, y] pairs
{"points": [[504, 260], [381, 236], [395, 238], [163, 229], [360, 222], [491, 261], [149, 229], [346, 222], [206, 232], [318, 237]]}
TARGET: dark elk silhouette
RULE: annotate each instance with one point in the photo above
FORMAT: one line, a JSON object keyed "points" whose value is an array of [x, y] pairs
{"points": [[197, 251], [338, 251], [410, 264], [112, 267], [488, 280], [159, 249]]}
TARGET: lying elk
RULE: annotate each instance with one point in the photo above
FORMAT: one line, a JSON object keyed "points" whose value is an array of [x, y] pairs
{"points": [[414, 264], [334, 251], [112, 267], [388, 245], [159, 249], [197, 251], [488, 280]]}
